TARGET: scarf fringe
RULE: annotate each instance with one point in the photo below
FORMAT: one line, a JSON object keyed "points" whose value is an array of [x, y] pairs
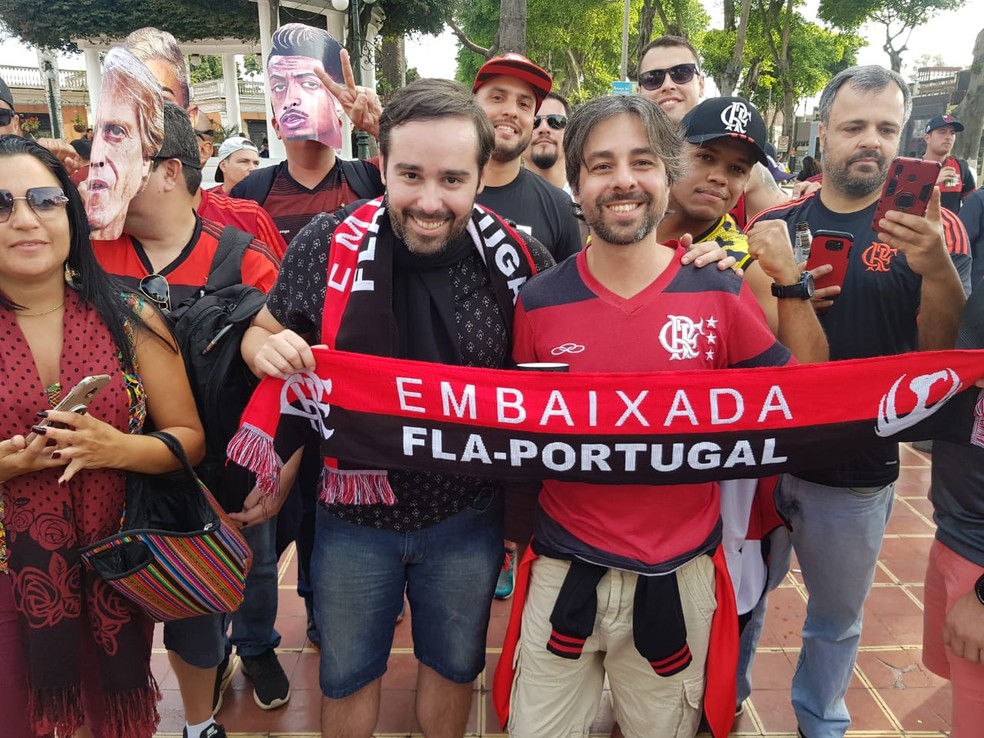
{"points": [[133, 713], [56, 710], [253, 448], [339, 486]]}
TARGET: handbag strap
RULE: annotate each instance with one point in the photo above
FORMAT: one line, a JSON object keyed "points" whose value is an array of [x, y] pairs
{"points": [[176, 448]]}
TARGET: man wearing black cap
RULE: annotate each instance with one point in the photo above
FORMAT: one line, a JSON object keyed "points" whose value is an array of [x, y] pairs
{"points": [[956, 181], [9, 120], [510, 89]]}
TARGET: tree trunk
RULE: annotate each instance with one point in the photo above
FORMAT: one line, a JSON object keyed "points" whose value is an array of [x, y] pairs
{"points": [[647, 17], [731, 75], [393, 62], [512, 26], [970, 112]]}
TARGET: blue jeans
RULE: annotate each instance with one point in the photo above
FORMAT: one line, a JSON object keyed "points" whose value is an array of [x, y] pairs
{"points": [[253, 630], [780, 553], [449, 572], [837, 535]]}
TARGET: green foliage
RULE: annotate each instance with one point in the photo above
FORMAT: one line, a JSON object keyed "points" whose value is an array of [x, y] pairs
{"points": [[578, 41], [851, 14], [54, 23], [415, 16], [210, 67], [251, 66]]}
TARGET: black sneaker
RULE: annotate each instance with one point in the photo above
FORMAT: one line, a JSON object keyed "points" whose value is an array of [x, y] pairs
{"points": [[271, 688], [223, 675], [212, 731]]}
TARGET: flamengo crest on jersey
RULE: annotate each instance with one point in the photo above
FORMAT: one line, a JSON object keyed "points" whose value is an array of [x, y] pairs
{"points": [[681, 337]]}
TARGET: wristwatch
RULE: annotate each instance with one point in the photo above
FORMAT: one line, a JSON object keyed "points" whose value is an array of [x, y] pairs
{"points": [[979, 589], [803, 289]]}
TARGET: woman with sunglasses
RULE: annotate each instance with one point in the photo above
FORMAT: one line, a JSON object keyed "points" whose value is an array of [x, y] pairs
{"points": [[74, 655]]}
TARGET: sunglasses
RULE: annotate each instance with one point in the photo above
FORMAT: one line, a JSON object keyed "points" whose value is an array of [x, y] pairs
{"points": [[156, 289], [46, 202], [6, 116], [555, 120], [681, 74]]}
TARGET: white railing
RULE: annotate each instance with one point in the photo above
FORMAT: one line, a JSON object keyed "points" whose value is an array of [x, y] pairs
{"points": [[32, 78]]}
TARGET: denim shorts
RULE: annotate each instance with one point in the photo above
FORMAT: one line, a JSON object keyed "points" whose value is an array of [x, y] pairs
{"points": [[448, 571], [199, 641]]}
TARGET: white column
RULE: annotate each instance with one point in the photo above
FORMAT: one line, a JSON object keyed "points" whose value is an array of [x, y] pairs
{"points": [[234, 115], [267, 26], [93, 80]]}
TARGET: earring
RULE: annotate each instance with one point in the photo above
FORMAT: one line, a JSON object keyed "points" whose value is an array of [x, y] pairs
{"points": [[71, 276]]}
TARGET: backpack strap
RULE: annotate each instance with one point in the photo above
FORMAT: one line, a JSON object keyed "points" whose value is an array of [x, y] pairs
{"points": [[362, 177], [226, 269]]}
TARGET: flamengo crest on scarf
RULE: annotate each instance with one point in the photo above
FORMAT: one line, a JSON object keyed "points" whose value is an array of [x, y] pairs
{"points": [[657, 428]]}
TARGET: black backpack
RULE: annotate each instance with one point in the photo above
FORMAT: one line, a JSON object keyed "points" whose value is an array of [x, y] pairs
{"points": [[361, 176], [209, 328]]}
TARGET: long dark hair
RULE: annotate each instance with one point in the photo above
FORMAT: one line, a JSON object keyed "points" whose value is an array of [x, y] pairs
{"points": [[93, 284]]}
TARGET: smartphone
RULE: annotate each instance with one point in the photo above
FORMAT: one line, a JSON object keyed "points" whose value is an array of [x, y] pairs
{"points": [[834, 248], [907, 188], [78, 399]]}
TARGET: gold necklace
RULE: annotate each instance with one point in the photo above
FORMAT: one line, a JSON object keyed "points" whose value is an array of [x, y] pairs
{"points": [[46, 312]]}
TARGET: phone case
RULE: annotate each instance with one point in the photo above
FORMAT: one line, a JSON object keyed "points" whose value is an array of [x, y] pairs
{"points": [[907, 188], [834, 248], [81, 394]]}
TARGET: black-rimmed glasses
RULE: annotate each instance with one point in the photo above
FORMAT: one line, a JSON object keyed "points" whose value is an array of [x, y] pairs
{"points": [[156, 289], [555, 120], [681, 74], [46, 202], [6, 116]]}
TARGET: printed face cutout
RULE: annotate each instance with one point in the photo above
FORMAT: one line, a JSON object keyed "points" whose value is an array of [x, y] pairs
{"points": [[302, 105], [129, 133]]}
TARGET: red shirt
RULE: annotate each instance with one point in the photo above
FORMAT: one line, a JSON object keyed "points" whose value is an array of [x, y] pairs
{"points": [[125, 258], [245, 215]]}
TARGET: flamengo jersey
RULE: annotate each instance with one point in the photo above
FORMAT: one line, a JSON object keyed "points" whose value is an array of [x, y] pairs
{"points": [[687, 319], [245, 215], [875, 314], [125, 258]]}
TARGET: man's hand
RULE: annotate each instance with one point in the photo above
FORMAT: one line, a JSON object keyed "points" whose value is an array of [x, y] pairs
{"points": [[706, 252], [919, 238], [282, 354], [945, 174], [769, 245], [258, 507], [360, 104], [64, 151], [963, 629]]}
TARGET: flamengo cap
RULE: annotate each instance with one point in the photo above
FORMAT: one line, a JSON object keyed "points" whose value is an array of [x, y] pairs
{"points": [[727, 116], [518, 66], [944, 120]]}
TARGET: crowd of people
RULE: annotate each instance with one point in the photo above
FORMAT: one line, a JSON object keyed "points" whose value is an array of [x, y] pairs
{"points": [[500, 226]]}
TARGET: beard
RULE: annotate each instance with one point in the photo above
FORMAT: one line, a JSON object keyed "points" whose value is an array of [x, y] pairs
{"points": [[544, 157], [504, 153], [859, 184], [621, 235], [421, 244]]}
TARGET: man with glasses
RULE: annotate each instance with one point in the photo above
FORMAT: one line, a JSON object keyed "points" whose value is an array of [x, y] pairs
{"points": [[165, 252], [670, 76], [545, 154], [9, 120]]}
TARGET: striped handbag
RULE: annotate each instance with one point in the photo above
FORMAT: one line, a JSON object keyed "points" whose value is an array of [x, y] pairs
{"points": [[177, 554]]}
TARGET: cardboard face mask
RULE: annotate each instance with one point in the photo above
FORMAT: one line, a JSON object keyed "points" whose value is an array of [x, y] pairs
{"points": [[129, 133], [302, 105]]}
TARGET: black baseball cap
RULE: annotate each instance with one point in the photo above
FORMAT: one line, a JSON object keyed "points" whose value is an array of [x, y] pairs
{"points": [[778, 173], [720, 117], [944, 120], [6, 95]]}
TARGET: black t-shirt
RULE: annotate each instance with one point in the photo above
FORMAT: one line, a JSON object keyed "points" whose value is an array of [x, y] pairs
{"points": [[875, 315], [297, 302], [538, 209]]}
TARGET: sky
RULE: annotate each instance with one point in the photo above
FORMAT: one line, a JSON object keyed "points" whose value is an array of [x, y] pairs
{"points": [[434, 56]]}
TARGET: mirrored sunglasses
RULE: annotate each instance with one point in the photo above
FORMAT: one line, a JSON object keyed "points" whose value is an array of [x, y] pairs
{"points": [[46, 202], [156, 289], [554, 120], [681, 74], [6, 116]]}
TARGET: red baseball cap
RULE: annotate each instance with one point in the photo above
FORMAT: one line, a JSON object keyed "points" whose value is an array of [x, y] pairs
{"points": [[519, 67]]}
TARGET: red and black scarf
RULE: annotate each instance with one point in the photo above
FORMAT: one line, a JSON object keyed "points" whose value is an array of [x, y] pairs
{"points": [[87, 647], [634, 428], [384, 301]]}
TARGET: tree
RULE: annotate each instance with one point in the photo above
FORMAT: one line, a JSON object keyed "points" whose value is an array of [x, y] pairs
{"points": [[898, 17], [971, 108]]}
